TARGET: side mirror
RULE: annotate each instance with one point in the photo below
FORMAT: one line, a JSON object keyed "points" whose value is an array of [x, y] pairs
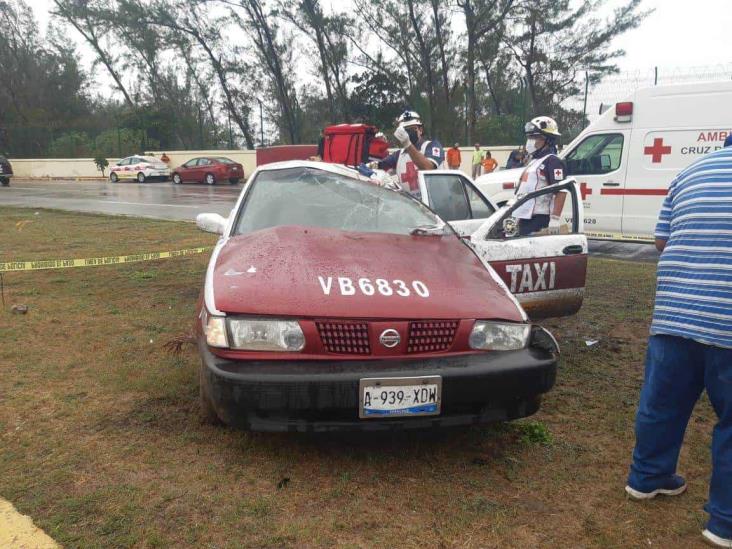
{"points": [[510, 227], [211, 223]]}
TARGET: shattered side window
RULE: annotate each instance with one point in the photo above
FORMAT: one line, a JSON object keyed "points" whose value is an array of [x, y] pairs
{"points": [[315, 198]]}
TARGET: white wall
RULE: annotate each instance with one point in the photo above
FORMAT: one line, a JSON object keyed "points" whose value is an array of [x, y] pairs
{"points": [[57, 168], [84, 168]]}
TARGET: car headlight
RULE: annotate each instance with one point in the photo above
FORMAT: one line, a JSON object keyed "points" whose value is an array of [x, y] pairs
{"points": [[215, 329], [498, 336], [266, 335]]}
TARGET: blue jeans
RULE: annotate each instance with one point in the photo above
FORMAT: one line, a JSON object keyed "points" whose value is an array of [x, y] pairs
{"points": [[677, 371]]}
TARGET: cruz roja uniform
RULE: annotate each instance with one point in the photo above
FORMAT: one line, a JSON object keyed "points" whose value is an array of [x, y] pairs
{"points": [[535, 214], [544, 169], [404, 167], [401, 162]]}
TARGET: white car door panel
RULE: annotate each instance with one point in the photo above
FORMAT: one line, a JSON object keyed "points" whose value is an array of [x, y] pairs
{"points": [[546, 272], [455, 199]]}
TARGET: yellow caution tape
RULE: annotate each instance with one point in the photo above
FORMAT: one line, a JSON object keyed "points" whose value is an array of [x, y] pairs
{"points": [[42, 264], [618, 236]]}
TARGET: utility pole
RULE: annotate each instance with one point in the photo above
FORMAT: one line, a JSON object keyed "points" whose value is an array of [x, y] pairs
{"points": [[261, 123], [467, 124], [231, 137], [587, 88]]}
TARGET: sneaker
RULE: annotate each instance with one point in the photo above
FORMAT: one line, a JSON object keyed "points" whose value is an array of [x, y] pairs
{"points": [[674, 486], [715, 541]]}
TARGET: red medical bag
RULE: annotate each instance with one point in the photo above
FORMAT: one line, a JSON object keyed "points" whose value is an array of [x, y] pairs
{"points": [[347, 143]]}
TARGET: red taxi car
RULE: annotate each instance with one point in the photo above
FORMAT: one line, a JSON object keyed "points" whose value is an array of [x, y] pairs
{"points": [[332, 303], [209, 170]]}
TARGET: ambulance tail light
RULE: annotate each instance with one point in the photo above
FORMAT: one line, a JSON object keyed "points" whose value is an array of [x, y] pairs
{"points": [[624, 111]]}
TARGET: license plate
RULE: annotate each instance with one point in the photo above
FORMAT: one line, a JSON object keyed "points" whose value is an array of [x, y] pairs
{"points": [[400, 397]]}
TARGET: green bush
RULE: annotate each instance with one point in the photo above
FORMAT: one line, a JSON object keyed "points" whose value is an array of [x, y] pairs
{"points": [[70, 145], [101, 162], [122, 142], [535, 432]]}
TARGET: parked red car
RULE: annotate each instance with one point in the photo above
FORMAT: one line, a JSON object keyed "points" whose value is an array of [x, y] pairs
{"points": [[209, 170]]}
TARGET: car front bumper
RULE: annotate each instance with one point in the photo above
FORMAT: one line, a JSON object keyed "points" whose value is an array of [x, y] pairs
{"points": [[313, 396]]}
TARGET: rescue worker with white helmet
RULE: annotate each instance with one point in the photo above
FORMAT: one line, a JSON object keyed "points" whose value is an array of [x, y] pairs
{"points": [[416, 153], [544, 168]]}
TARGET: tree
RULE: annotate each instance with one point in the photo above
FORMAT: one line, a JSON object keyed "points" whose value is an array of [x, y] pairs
{"points": [[275, 62], [189, 17], [375, 99], [327, 32], [101, 163], [89, 18], [553, 42], [43, 85], [482, 18]]}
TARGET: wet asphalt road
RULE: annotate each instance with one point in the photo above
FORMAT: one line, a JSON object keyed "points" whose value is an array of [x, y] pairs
{"points": [[163, 200]]}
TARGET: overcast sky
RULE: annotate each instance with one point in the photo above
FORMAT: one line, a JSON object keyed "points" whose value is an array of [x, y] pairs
{"points": [[680, 34]]}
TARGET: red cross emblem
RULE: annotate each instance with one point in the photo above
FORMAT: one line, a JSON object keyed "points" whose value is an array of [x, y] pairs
{"points": [[585, 190], [410, 176], [657, 150]]}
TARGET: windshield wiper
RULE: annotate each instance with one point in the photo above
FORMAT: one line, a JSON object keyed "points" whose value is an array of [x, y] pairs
{"points": [[428, 230]]}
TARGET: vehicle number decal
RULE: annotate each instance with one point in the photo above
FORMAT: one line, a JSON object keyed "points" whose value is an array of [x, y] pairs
{"points": [[365, 286]]}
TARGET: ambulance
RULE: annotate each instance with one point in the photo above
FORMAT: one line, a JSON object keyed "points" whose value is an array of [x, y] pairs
{"points": [[625, 161]]}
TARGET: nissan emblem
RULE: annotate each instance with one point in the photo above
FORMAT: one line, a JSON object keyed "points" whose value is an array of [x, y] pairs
{"points": [[390, 338]]}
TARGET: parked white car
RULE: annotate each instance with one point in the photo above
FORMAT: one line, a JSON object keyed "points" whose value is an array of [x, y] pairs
{"points": [[625, 161], [139, 168]]}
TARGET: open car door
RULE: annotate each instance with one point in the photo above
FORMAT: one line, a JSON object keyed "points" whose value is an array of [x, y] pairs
{"points": [[546, 271], [455, 199]]}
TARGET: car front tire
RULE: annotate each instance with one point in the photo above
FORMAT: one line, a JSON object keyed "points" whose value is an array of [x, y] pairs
{"points": [[234, 180], [176, 179], [113, 177], [140, 177], [4, 181]]}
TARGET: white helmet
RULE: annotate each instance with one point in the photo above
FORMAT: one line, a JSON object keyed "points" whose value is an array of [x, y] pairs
{"points": [[542, 125], [408, 119]]}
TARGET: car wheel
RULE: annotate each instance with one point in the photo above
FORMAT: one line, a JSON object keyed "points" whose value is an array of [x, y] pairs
{"points": [[176, 179], [234, 180], [140, 177], [113, 177], [4, 181], [210, 179], [208, 413]]}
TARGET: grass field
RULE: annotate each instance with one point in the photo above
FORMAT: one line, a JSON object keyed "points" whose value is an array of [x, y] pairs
{"points": [[101, 440]]}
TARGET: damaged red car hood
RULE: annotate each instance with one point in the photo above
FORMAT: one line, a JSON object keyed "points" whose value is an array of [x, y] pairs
{"points": [[308, 272]]}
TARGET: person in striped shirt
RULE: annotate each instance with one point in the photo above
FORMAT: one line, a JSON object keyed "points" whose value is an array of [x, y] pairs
{"points": [[690, 346]]}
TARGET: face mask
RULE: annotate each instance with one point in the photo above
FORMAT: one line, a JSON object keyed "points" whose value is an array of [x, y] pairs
{"points": [[531, 146], [413, 136]]}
